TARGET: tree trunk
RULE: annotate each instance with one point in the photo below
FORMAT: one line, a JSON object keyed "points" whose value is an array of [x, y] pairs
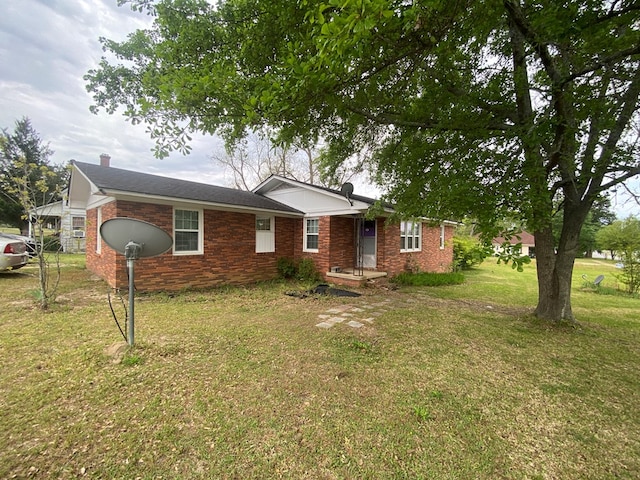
{"points": [[554, 280], [555, 267]]}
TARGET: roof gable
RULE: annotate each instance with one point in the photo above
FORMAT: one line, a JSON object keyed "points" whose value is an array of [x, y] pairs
{"points": [[115, 181], [524, 237], [313, 199]]}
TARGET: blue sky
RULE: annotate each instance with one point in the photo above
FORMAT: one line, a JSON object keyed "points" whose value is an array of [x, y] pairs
{"points": [[47, 46]]}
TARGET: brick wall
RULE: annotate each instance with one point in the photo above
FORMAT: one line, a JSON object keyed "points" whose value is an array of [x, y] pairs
{"points": [[433, 258], [336, 247], [430, 259], [107, 264], [342, 252], [229, 249], [228, 257], [335, 243]]}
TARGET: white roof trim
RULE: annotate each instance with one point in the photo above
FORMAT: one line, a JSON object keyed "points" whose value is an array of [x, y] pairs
{"points": [[147, 198], [349, 206], [295, 183]]}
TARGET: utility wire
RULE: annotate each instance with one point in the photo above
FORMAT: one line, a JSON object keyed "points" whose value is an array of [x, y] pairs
{"points": [[115, 317]]}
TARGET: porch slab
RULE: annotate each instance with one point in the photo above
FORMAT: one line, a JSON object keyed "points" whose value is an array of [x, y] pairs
{"points": [[349, 278]]}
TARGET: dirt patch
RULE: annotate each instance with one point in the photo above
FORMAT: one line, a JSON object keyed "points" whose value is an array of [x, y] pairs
{"points": [[117, 351]]}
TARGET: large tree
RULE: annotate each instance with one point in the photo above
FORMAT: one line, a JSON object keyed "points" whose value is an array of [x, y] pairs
{"points": [[465, 107], [20, 148]]}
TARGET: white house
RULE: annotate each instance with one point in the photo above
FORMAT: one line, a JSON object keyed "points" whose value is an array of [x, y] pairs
{"points": [[68, 223]]}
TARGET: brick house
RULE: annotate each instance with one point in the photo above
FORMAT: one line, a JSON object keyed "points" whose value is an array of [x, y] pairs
{"points": [[227, 236], [525, 240]]}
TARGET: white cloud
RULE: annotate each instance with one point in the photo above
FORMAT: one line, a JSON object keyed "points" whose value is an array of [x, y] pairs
{"points": [[46, 47]]}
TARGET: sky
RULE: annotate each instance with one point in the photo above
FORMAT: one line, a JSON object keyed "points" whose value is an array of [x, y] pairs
{"points": [[47, 46]]}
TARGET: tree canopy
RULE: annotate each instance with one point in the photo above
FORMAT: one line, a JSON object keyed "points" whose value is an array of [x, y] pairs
{"points": [[621, 236], [22, 153], [463, 107]]}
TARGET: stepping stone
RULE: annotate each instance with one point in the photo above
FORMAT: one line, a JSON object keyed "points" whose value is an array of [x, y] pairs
{"points": [[368, 307], [335, 310], [356, 309], [324, 325], [355, 324], [375, 314], [322, 316], [334, 320], [368, 320], [345, 314]]}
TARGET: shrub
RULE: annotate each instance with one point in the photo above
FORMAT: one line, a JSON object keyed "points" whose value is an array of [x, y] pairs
{"points": [[307, 270], [468, 251], [630, 271], [426, 279], [286, 267], [52, 244]]}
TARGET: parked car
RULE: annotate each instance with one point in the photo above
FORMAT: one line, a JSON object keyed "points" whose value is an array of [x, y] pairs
{"points": [[13, 252], [30, 242]]}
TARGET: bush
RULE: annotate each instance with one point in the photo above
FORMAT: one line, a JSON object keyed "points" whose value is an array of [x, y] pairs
{"points": [[468, 251], [286, 267], [52, 244], [426, 279], [630, 271], [304, 270], [307, 270]]}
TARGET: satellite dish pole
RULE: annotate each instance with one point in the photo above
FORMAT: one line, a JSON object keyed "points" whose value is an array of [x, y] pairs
{"points": [[131, 253], [134, 239]]}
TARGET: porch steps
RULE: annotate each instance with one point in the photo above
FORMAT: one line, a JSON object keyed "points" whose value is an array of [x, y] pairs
{"points": [[349, 278]]}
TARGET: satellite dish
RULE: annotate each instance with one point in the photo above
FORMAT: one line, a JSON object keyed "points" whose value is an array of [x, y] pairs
{"points": [[119, 232], [134, 239], [347, 189]]}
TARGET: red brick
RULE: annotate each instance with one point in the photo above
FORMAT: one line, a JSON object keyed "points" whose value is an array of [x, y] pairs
{"points": [[229, 249]]}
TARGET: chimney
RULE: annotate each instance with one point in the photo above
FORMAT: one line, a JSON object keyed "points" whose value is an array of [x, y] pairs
{"points": [[104, 160]]}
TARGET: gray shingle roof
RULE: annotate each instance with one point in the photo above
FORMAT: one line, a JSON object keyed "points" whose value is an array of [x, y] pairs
{"points": [[116, 179]]}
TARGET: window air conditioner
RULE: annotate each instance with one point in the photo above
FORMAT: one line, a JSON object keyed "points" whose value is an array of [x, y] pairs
{"points": [[78, 234]]}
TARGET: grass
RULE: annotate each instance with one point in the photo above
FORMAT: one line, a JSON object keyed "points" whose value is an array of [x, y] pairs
{"points": [[448, 382], [428, 279]]}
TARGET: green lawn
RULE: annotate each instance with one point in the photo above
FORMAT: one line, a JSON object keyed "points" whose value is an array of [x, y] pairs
{"points": [[448, 382]]}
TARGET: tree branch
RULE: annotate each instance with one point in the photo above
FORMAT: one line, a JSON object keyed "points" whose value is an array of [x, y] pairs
{"points": [[602, 63], [629, 107], [620, 180], [399, 121]]}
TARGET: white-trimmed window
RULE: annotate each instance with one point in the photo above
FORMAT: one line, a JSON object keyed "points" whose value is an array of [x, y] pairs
{"points": [[187, 231], [77, 223], [442, 237], [311, 234], [410, 236], [98, 225], [265, 234]]}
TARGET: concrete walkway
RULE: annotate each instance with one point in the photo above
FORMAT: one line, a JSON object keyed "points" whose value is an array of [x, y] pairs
{"points": [[354, 316]]}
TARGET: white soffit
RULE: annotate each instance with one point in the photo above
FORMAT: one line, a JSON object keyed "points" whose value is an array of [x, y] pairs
{"points": [[315, 202]]}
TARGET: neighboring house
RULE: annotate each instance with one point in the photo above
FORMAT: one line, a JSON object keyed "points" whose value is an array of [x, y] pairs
{"points": [[227, 236], [69, 224], [527, 241]]}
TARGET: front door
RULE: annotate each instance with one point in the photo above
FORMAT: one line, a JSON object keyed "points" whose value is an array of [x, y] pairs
{"points": [[367, 244]]}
